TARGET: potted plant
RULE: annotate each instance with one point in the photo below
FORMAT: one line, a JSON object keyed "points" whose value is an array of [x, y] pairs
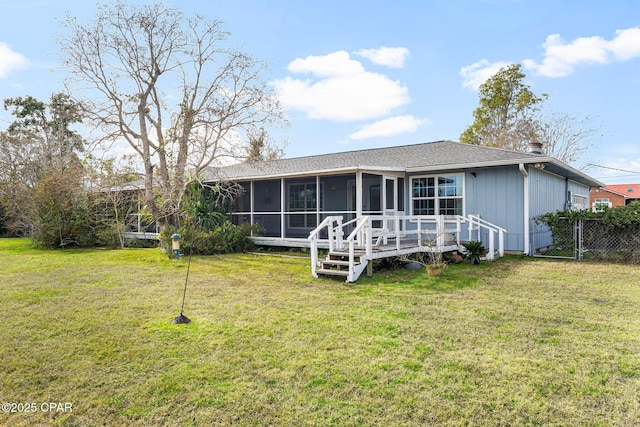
{"points": [[474, 251], [434, 262], [432, 259]]}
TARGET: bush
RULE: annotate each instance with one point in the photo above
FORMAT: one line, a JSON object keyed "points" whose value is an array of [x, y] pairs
{"points": [[62, 217], [612, 235], [225, 238]]}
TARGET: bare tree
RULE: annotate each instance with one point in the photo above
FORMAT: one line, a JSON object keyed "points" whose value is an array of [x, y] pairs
{"points": [[566, 137], [166, 85]]}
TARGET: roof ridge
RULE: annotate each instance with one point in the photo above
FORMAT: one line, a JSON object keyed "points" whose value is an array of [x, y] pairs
{"points": [[362, 150]]}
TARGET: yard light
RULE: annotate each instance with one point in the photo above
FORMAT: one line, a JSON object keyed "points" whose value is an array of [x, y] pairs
{"points": [[175, 244]]}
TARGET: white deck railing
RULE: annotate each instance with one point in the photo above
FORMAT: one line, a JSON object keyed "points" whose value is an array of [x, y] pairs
{"points": [[435, 232], [476, 224]]}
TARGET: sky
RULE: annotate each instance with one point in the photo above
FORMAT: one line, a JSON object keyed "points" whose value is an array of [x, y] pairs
{"points": [[358, 74]]}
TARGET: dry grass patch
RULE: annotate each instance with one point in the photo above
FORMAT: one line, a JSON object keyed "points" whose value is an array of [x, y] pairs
{"points": [[514, 342]]}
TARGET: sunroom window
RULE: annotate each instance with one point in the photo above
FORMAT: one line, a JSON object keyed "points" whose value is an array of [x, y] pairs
{"points": [[303, 204], [441, 195]]}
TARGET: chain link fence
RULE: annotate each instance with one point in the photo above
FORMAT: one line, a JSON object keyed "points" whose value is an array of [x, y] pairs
{"points": [[586, 239]]}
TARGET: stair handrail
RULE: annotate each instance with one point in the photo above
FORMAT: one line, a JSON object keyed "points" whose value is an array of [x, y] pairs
{"points": [[492, 229], [334, 234], [362, 235]]}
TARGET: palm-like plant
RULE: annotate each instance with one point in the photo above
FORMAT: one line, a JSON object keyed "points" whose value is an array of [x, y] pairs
{"points": [[474, 250]]}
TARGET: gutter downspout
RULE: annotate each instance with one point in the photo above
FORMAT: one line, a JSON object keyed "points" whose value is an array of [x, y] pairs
{"points": [[525, 174], [567, 201]]}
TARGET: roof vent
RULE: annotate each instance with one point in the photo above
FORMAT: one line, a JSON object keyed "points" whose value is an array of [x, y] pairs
{"points": [[534, 147]]}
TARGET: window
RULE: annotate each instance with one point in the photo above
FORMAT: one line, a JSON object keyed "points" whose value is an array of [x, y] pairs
{"points": [[600, 204], [401, 207], [438, 195], [580, 202], [303, 198]]}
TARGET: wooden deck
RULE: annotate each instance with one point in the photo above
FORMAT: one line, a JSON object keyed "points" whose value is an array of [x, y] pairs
{"points": [[407, 246], [350, 256]]}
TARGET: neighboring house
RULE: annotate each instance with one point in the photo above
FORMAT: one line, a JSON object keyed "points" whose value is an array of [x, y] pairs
{"points": [[614, 195], [290, 198]]}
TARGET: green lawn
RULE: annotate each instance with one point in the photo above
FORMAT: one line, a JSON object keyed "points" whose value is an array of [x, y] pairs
{"points": [[514, 342]]}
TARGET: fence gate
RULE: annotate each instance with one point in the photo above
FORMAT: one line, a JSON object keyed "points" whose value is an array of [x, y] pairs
{"points": [[585, 239], [566, 240]]}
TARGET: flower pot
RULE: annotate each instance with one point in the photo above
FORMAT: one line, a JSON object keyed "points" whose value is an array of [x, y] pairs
{"points": [[435, 270]]}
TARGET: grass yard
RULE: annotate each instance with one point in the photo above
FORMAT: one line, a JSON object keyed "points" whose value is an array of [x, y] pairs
{"points": [[515, 342]]}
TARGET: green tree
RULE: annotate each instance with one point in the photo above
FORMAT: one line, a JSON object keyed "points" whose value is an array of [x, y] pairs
{"points": [[45, 130], [39, 142], [167, 85], [511, 116], [506, 117]]}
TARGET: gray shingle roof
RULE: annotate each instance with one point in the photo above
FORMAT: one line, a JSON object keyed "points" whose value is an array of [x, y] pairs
{"points": [[431, 156]]}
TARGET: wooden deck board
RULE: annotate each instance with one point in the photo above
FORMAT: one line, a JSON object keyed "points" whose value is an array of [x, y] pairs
{"points": [[407, 246]]}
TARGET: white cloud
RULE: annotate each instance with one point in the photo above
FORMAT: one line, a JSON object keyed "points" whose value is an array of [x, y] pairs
{"points": [[388, 127], [10, 60], [335, 64], [561, 58], [340, 89], [626, 44], [392, 57], [476, 74]]}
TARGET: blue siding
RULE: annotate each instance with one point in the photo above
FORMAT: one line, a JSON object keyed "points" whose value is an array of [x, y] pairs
{"points": [[497, 195], [547, 192]]}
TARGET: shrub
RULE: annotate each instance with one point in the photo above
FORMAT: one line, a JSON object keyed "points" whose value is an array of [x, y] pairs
{"points": [[613, 234], [225, 238], [62, 217]]}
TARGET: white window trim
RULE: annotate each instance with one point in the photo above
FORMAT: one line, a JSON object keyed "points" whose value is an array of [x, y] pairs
{"points": [[319, 204], [580, 201], [437, 199]]}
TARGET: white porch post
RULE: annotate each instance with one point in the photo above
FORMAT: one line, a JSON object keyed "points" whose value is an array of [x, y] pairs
{"points": [[318, 198], [283, 197], [358, 194], [492, 245], [440, 230], [253, 195]]}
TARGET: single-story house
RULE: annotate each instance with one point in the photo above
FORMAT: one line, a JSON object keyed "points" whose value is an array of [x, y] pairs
{"points": [[290, 198], [614, 195]]}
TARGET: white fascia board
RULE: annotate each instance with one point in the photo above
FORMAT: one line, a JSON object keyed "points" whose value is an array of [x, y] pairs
{"points": [[582, 175], [514, 162], [457, 166], [333, 171]]}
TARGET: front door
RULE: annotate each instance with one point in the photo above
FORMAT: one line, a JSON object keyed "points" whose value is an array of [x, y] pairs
{"points": [[390, 195], [390, 200]]}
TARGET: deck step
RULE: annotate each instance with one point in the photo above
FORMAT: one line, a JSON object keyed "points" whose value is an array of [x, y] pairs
{"points": [[346, 253], [335, 262], [326, 272]]}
